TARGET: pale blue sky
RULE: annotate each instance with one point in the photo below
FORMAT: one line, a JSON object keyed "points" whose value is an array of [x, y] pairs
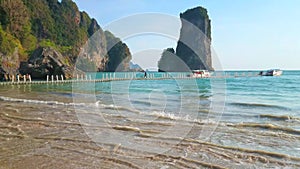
{"points": [[247, 34]]}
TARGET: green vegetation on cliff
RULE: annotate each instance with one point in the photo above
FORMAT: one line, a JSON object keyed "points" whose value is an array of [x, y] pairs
{"points": [[11, 52], [27, 25], [43, 23]]}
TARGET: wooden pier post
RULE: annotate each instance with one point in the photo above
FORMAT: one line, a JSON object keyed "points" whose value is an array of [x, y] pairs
{"points": [[62, 78], [52, 78], [29, 77], [47, 78], [57, 78], [18, 78]]}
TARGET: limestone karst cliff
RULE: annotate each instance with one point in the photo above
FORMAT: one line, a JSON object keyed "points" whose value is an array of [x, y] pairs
{"points": [[28, 26], [193, 49]]}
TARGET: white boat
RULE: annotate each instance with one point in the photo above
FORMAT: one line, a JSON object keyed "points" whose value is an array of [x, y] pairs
{"points": [[274, 72], [201, 73]]}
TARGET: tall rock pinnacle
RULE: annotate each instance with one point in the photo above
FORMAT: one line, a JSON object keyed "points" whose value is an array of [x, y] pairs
{"points": [[194, 45]]}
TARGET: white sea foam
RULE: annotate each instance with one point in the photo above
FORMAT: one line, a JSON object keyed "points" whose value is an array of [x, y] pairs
{"points": [[170, 116], [186, 118], [99, 104], [39, 101]]}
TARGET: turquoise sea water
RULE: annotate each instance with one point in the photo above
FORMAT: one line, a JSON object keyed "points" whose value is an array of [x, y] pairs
{"points": [[257, 113], [246, 99]]}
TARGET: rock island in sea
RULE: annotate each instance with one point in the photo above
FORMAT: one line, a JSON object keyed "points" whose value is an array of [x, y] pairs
{"points": [[193, 49]]}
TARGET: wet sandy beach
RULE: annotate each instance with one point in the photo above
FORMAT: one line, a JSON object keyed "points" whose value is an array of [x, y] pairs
{"points": [[51, 136]]}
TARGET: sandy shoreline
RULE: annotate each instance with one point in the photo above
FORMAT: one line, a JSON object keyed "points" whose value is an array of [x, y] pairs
{"points": [[50, 136]]}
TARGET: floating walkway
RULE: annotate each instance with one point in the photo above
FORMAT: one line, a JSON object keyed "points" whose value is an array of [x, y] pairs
{"points": [[108, 77]]}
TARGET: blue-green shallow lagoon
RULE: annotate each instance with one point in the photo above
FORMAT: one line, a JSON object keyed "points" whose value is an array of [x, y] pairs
{"points": [[248, 117]]}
